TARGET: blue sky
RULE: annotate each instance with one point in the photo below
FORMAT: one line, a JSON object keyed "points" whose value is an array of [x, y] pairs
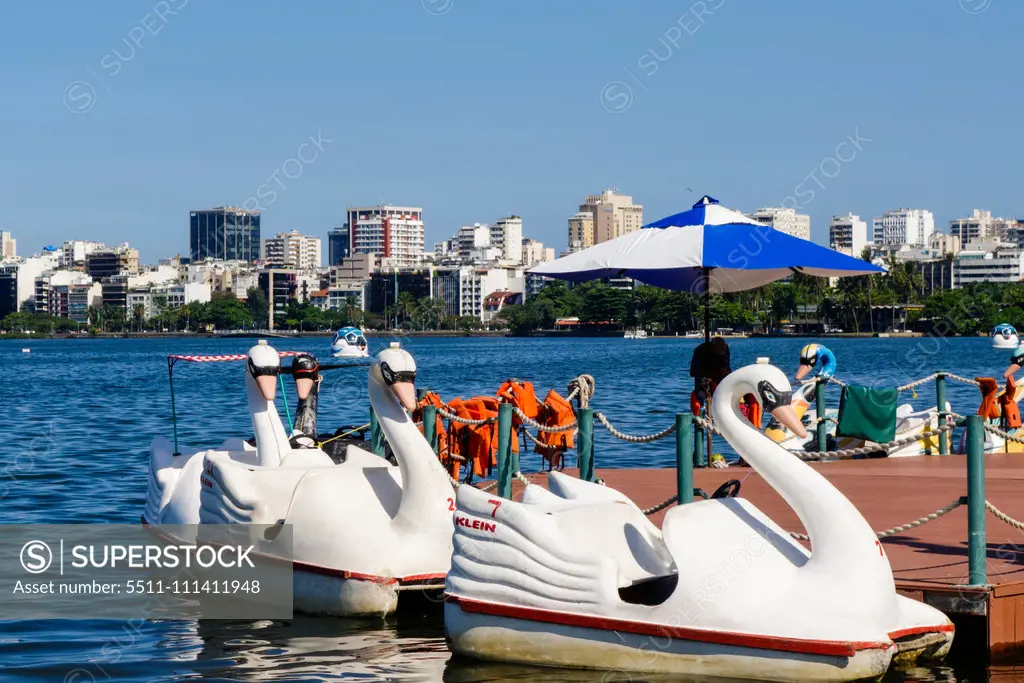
{"points": [[121, 116]]}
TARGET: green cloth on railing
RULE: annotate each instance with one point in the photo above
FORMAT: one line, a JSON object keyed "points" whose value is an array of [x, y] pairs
{"points": [[868, 414]]}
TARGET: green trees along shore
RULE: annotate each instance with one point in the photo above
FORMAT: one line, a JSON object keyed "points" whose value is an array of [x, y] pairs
{"points": [[896, 298]]}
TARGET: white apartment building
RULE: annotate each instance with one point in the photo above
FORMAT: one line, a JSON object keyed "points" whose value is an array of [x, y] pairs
{"points": [[395, 233], [75, 252], [612, 215], [848, 234], [784, 220], [988, 262], [507, 235], [292, 250], [981, 226], [52, 289], [464, 289], [535, 252], [157, 299], [8, 246], [903, 226], [18, 281], [470, 237]]}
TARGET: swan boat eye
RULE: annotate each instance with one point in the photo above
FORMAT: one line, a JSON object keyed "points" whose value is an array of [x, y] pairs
{"points": [[772, 398], [390, 376], [256, 371]]}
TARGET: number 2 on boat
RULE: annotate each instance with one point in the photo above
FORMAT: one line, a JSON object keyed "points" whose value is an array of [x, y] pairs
{"points": [[881, 553], [451, 504]]}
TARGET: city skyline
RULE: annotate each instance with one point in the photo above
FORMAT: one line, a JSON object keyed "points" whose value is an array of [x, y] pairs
{"points": [[109, 140]]}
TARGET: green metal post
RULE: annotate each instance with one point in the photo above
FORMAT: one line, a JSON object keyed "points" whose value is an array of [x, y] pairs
{"points": [[586, 458], [430, 426], [819, 403], [940, 403], [376, 435], [420, 393], [505, 464], [684, 457], [699, 447], [174, 413], [976, 542]]}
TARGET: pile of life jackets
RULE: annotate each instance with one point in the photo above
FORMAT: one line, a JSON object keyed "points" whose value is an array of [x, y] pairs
{"points": [[476, 446], [1003, 407]]}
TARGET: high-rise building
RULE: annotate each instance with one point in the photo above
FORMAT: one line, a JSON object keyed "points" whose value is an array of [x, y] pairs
{"points": [[8, 246], [581, 231], [613, 215], [785, 220], [394, 233], [507, 235], [848, 234], [121, 260], [535, 252], [293, 250], [227, 233], [339, 245], [74, 252], [473, 238], [981, 226], [903, 226]]}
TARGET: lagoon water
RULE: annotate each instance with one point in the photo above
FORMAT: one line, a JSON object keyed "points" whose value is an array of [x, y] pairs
{"points": [[78, 415]]}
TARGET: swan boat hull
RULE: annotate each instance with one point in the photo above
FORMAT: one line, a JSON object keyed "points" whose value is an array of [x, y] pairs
{"points": [[500, 632], [175, 497]]}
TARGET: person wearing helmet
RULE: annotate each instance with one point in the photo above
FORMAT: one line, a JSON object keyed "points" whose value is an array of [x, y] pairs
{"points": [[1016, 362]]}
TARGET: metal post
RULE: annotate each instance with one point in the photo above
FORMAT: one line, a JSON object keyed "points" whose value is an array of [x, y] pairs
{"points": [[174, 413], [819, 401], [376, 435], [430, 426], [505, 471], [684, 457], [976, 542], [699, 445], [586, 456], [940, 403]]}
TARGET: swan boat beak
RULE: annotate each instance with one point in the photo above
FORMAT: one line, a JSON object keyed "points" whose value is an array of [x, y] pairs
{"points": [[268, 386], [1010, 371], [405, 392], [802, 371], [303, 387], [787, 416]]}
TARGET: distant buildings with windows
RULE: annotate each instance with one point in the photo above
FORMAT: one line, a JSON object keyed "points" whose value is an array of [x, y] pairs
{"points": [[981, 226], [848, 234], [784, 220], [292, 249], [603, 217], [903, 226], [226, 233], [8, 246], [394, 234], [339, 245]]}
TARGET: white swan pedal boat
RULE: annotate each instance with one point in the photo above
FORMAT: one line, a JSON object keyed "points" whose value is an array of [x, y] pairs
{"points": [[1004, 336], [363, 529], [578, 577]]}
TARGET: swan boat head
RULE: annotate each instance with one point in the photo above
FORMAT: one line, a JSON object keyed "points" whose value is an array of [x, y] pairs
{"points": [[263, 368], [396, 370], [262, 371], [813, 354], [769, 386]]}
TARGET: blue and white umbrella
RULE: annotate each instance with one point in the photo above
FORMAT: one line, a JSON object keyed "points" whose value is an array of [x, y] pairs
{"points": [[708, 248]]}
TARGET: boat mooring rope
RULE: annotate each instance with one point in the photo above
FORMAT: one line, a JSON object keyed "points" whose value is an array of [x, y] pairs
{"points": [[909, 525], [648, 438]]}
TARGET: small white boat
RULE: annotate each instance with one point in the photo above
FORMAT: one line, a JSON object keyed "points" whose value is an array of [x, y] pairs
{"points": [[1004, 337], [578, 577], [363, 529], [635, 334], [349, 342]]}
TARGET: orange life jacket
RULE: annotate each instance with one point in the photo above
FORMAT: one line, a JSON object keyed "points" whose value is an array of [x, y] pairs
{"points": [[989, 408], [523, 396], [752, 410], [1011, 413], [478, 444], [555, 411]]}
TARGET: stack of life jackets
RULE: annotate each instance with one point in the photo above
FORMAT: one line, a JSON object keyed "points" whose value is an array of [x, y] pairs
{"points": [[477, 445], [1001, 407], [749, 406]]}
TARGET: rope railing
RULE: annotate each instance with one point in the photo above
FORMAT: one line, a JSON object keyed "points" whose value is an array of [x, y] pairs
{"points": [[632, 438], [920, 521]]}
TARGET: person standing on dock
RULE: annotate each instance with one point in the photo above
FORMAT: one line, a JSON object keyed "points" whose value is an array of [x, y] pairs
{"points": [[709, 366]]}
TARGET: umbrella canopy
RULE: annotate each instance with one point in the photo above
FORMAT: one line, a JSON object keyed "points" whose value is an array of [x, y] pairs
{"points": [[708, 248]]}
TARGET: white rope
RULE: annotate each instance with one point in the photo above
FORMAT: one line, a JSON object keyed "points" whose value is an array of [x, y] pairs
{"points": [[1002, 516], [538, 426], [631, 437], [909, 525]]}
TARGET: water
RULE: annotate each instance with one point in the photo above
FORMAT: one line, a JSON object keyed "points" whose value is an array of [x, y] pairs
{"points": [[78, 416]]}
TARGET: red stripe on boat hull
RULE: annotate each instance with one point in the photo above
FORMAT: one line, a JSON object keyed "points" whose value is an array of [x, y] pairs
{"points": [[829, 648]]}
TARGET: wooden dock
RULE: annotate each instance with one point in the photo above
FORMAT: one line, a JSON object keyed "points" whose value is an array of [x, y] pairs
{"points": [[930, 562]]}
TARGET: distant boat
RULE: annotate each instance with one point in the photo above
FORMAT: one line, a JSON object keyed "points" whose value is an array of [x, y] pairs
{"points": [[1004, 337], [349, 342], [635, 334]]}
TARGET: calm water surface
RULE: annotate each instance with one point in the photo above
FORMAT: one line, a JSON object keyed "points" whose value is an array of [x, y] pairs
{"points": [[78, 416]]}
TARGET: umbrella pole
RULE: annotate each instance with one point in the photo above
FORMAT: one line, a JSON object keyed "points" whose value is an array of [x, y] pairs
{"points": [[707, 338]]}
